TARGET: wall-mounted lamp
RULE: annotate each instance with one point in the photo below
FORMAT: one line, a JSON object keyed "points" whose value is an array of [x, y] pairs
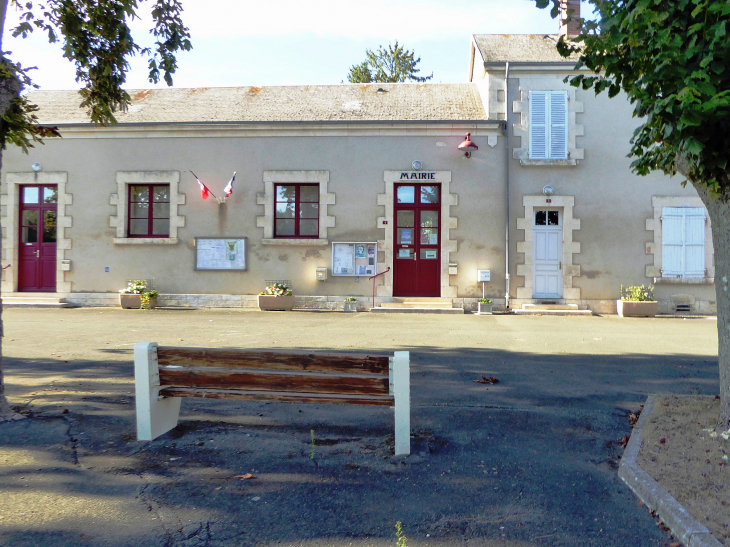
{"points": [[416, 165], [547, 190], [36, 167], [467, 146]]}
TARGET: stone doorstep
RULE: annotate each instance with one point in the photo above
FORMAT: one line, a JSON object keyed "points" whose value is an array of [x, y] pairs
{"points": [[453, 311], [682, 524], [32, 300], [410, 304], [553, 312], [549, 306]]}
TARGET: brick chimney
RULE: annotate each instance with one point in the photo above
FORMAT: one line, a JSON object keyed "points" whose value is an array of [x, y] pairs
{"points": [[569, 28]]}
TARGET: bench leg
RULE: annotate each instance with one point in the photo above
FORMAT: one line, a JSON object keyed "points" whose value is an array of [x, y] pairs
{"points": [[155, 416], [402, 393]]}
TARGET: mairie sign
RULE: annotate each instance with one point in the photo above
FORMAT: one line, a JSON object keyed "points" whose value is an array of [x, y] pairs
{"points": [[418, 175]]}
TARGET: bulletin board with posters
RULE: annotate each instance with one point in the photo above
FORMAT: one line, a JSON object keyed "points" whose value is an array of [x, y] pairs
{"points": [[354, 258], [220, 253]]}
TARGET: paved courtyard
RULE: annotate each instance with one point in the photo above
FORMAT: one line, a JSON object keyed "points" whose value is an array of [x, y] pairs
{"points": [[529, 461]]}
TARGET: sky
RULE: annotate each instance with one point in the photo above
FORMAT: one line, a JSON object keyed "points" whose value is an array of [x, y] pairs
{"points": [[290, 42]]}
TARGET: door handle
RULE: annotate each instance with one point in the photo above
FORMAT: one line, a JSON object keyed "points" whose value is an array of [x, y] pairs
{"points": [[561, 266], [38, 253]]}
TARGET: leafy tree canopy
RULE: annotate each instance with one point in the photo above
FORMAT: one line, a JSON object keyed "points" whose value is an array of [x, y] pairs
{"points": [[96, 37], [392, 65], [672, 59]]}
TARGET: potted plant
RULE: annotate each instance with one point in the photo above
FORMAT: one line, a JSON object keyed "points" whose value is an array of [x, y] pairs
{"points": [[484, 306], [637, 301], [350, 304], [136, 296], [276, 297]]}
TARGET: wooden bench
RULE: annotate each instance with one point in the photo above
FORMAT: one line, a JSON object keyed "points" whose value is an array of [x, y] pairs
{"points": [[163, 375]]}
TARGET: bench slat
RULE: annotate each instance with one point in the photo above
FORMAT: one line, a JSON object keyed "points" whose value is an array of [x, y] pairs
{"points": [[278, 396], [236, 358], [257, 380]]}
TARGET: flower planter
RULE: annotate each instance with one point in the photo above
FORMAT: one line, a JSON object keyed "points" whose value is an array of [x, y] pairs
{"points": [[350, 307], [484, 309], [628, 308], [269, 302], [134, 301]]}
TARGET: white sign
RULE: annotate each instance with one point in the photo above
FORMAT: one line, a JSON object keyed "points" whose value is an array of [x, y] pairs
{"points": [[483, 275], [220, 253]]}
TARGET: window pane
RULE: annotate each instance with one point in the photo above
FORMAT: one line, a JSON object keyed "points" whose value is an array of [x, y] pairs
{"points": [[406, 194], [30, 235], [49, 218], [430, 218], [284, 210], [139, 210], [309, 227], [30, 194], [429, 254], [285, 193], [429, 194], [140, 193], [406, 218], [429, 236], [552, 218], [284, 227], [405, 253], [161, 193], [161, 210], [540, 218], [50, 194], [49, 233], [405, 236], [160, 227], [138, 227], [30, 218], [309, 210], [309, 193]]}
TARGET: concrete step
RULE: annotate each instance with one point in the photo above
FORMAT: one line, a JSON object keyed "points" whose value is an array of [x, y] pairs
{"points": [[549, 306], [552, 312], [417, 304], [452, 311], [35, 300]]}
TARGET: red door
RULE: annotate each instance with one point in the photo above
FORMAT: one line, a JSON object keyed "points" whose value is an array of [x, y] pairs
{"points": [[417, 260], [37, 246]]}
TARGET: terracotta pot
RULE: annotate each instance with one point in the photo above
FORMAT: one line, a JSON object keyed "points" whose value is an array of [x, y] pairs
{"points": [[627, 308], [268, 302]]}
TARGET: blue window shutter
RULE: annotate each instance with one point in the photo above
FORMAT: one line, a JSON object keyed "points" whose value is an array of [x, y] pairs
{"points": [[683, 242], [538, 125], [694, 242], [558, 125], [672, 244]]}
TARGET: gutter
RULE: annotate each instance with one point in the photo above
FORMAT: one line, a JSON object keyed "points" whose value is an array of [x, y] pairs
{"points": [[506, 181]]}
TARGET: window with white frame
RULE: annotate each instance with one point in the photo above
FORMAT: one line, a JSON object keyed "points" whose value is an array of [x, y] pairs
{"points": [[548, 125], [683, 242]]}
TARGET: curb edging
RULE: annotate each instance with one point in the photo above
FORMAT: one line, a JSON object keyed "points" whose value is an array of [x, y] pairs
{"points": [[682, 524]]}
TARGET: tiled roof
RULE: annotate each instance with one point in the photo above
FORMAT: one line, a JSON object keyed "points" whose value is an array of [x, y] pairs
{"points": [[316, 103], [520, 48]]}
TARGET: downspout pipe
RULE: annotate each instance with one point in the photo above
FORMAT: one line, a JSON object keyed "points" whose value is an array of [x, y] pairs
{"points": [[506, 181]]}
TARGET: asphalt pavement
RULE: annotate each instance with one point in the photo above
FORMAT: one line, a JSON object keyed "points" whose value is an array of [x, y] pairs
{"points": [[531, 460]]}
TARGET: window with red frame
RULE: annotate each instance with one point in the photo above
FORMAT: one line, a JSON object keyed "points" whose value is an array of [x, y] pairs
{"points": [[297, 210], [149, 210]]}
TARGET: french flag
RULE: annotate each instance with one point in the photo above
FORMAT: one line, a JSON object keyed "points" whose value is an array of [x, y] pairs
{"points": [[229, 187], [204, 192]]}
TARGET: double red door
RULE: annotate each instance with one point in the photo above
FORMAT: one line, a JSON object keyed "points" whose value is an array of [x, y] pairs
{"points": [[417, 249], [37, 234]]}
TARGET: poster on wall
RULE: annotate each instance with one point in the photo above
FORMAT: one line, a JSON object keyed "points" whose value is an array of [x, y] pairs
{"points": [[360, 250], [220, 253], [342, 258], [353, 258]]}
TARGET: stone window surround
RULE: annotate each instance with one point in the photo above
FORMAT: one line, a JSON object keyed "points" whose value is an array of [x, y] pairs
{"points": [[387, 222], [266, 198], [121, 198], [654, 247], [10, 211], [522, 131], [566, 203]]}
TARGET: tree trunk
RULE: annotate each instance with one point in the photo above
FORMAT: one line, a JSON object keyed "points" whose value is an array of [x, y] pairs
{"points": [[719, 212], [9, 89]]}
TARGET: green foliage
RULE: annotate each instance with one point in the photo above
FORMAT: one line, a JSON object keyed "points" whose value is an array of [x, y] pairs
{"points": [[350, 299], [97, 39], [485, 301], [145, 298], [391, 65], [402, 539], [277, 289], [672, 59], [637, 293]]}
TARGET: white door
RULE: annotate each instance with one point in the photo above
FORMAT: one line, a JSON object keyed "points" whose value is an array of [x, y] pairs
{"points": [[547, 255]]}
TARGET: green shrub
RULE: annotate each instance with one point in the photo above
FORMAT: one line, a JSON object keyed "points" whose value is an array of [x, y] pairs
{"points": [[637, 293]]}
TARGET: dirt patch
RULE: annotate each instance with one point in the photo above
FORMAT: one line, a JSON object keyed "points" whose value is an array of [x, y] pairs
{"points": [[684, 453]]}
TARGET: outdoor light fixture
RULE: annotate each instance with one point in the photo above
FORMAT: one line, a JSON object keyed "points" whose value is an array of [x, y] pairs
{"points": [[547, 190], [36, 167], [416, 165], [467, 146]]}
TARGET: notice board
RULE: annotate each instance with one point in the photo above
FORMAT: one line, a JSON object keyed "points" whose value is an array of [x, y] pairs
{"points": [[220, 253], [354, 258]]}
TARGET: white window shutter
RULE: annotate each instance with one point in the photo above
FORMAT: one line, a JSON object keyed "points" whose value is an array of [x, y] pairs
{"points": [[558, 125], [672, 248], [538, 125], [694, 242]]}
